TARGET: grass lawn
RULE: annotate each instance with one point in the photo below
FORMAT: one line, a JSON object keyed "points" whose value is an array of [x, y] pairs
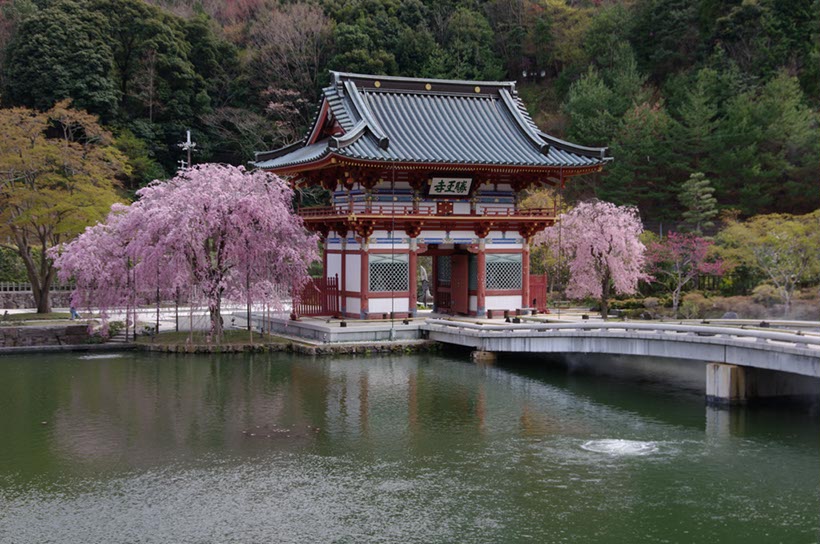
{"points": [[230, 338], [32, 316]]}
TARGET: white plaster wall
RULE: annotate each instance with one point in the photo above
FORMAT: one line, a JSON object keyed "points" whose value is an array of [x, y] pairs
{"points": [[473, 304], [383, 305], [461, 208], [441, 234], [353, 272], [399, 246], [505, 302], [354, 305], [334, 265], [400, 240]]}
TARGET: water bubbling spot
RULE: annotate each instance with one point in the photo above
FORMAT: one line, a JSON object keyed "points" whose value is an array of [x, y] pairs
{"points": [[102, 356], [617, 446]]}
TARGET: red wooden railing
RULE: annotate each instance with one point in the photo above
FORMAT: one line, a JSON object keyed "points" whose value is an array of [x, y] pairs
{"points": [[423, 209], [319, 297]]}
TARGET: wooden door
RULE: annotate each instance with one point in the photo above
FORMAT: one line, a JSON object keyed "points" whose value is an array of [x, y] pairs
{"points": [[459, 281], [538, 293]]}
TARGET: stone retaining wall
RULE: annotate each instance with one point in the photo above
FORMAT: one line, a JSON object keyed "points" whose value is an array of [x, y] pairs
{"points": [[53, 335], [10, 300], [304, 349]]}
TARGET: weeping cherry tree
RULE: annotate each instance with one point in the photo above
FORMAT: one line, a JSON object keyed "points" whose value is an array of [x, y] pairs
{"points": [[603, 250], [229, 232]]}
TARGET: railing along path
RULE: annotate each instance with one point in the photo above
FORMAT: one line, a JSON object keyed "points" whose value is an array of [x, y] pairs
{"points": [[798, 339]]}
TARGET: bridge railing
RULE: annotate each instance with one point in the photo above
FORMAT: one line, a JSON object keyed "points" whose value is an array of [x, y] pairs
{"points": [[799, 339]]}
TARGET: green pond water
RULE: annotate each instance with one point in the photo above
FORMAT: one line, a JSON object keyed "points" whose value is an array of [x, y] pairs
{"points": [[141, 448]]}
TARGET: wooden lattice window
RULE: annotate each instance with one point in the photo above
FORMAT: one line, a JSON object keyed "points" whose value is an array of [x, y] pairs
{"points": [[503, 271], [388, 273], [445, 270]]}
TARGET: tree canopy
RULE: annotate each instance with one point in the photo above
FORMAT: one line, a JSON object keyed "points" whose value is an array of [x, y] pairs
{"points": [[785, 247], [59, 173], [603, 248], [229, 232], [673, 87]]}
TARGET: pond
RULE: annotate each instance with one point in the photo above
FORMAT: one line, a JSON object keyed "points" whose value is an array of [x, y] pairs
{"points": [[148, 448]]}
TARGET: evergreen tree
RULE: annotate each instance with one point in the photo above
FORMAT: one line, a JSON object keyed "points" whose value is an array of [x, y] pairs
{"points": [[644, 163], [62, 51], [696, 195], [467, 47], [591, 122], [698, 121]]}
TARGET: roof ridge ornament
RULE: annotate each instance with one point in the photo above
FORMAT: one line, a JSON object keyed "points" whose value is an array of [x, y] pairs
{"points": [[364, 113], [522, 123], [349, 137], [596, 152]]}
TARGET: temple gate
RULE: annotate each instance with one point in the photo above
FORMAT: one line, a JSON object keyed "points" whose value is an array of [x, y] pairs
{"points": [[425, 167]]}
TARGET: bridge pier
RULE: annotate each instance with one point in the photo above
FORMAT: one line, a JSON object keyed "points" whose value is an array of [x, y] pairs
{"points": [[481, 356], [725, 384], [728, 385]]}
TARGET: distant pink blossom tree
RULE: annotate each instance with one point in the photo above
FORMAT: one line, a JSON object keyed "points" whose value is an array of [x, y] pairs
{"points": [[603, 249], [680, 258], [229, 232]]}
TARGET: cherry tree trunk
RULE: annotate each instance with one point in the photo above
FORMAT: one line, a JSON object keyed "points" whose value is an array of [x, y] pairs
{"points": [[215, 312], [605, 292]]}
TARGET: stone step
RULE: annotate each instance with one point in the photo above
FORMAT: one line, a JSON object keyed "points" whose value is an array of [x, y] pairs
{"points": [[118, 338]]}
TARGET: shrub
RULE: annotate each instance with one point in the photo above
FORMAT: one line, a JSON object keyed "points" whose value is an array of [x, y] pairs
{"points": [[744, 307], [626, 304], [651, 303], [694, 306], [115, 327], [767, 295]]}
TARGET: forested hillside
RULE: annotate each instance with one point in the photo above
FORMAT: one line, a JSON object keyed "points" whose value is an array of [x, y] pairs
{"points": [[728, 89]]}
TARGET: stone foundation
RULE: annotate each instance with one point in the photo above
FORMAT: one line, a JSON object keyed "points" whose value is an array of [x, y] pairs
{"points": [[54, 335], [304, 349]]}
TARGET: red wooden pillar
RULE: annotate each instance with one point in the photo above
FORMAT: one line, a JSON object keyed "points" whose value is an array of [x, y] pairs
{"points": [[525, 274], [413, 262], [481, 277], [343, 279], [324, 255], [365, 280], [434, 283]]}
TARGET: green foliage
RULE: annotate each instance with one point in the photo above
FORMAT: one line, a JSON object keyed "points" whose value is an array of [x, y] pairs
{"points": [[644, 147], [783, 247], [144, 169], [59, 171], [587, 106], [467, 51], [768, 150], [12, 267], [696, 195], [729, 89], [62, 51]]}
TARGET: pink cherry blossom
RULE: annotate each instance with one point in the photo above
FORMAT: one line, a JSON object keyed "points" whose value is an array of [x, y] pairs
{"points": [[602, 246], [228, 232]]}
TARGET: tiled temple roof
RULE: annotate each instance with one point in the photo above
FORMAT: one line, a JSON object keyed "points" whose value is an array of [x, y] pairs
{"points": [[429, 121]]}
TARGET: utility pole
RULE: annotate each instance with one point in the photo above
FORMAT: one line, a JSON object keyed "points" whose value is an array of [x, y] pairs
{"points": [[188, 146]]}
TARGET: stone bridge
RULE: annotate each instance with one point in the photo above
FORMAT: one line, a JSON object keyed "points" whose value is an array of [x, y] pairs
{"points": [[742, 363]]}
